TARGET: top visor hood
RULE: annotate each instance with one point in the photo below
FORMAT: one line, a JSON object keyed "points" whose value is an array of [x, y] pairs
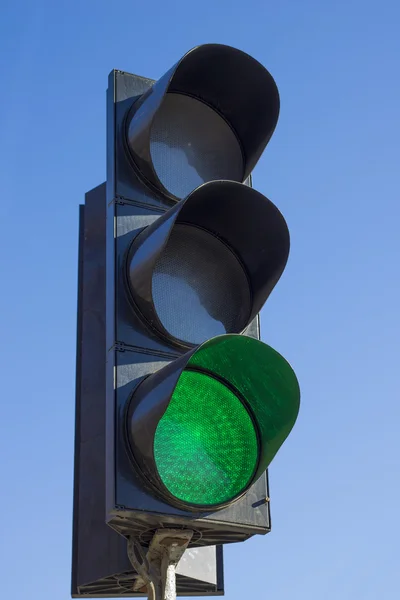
{"points": [[229, 81]]}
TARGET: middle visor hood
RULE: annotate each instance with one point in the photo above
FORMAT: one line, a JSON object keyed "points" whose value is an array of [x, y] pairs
{"points": [[221, 250]]}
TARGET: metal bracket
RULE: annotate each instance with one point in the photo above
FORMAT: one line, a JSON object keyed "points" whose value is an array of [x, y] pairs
{"points": [[122, 347], [156, 569]]}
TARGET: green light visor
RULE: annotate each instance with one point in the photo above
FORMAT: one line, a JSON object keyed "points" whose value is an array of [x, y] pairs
{"points": [[233, 405]]}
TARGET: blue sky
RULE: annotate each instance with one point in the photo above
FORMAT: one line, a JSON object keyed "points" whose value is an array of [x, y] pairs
{"points": [[331, 167]]}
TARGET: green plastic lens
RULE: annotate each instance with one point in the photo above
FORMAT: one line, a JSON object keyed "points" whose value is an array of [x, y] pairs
{"points": [[205, 446]]}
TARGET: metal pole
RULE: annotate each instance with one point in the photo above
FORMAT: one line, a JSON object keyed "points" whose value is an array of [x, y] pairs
{"points": [[168, 575]]}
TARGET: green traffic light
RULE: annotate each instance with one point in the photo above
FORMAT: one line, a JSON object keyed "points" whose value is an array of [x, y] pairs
{"points": [[206, 446], [233, 406]]}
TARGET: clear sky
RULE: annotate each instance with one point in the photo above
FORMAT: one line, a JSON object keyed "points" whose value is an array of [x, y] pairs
{"points": [[332, 168]]}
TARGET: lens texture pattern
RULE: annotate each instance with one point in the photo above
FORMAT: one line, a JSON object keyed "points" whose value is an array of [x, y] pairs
{"points": [[205, 446], [199, 288], [191, 144]]}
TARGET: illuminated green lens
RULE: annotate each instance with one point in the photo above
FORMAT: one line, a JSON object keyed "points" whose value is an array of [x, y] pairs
{"points": [[205, 446]]}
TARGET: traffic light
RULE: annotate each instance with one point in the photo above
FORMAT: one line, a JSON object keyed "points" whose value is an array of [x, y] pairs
{"points": [[197, 406]]}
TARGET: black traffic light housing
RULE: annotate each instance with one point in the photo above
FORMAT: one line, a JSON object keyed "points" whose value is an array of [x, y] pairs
{"points": [[151, 214]]}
